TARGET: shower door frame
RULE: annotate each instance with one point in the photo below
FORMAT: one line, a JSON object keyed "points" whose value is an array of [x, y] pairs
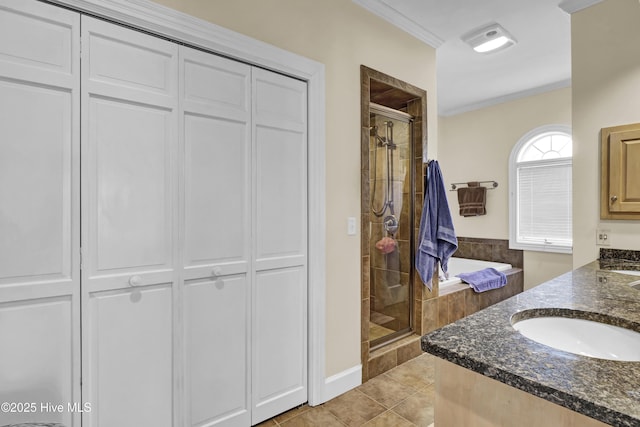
{"points": [[388, 91], [401, 116]]}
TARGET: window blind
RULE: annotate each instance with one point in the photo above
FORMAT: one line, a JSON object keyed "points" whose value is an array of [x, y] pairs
{"points": [[544, 202]]}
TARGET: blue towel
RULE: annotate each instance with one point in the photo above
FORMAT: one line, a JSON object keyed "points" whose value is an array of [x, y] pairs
{"points": [[437, 238], [484, 280]]}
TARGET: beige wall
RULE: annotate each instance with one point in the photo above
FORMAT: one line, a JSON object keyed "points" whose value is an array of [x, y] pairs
{"points": [[606, 81], [342, 36], [606, 92], [475, 146]]}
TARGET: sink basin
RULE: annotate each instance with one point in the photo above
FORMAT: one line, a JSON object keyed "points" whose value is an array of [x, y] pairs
{"points": [[635, 284], [629, 272], [583, 337]]}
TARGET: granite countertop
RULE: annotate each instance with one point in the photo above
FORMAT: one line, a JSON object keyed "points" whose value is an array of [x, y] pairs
{"points": [[606, 390]]}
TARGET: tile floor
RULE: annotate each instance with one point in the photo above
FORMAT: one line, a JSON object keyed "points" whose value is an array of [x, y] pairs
{"points": [[401, 397]]}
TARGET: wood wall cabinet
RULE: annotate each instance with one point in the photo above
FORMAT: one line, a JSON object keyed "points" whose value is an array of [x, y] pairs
{"points": [[620, 179]]}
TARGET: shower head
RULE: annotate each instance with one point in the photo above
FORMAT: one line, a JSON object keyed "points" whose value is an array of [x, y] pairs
{"points": [[373, 131]]}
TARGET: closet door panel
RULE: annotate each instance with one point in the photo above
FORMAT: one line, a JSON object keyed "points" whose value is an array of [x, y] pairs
{"points": [[37, 358], [131, 186], [280, 101], [216, 151], [35, 177], [280, 245], [217, 352], [129, 157], [38, 43], [128, 64], [280, 341], [281, 196], [216, 86], [280, 162], [129, 219], [216, 138], [39, 221], [130, 339], [39, 100]]}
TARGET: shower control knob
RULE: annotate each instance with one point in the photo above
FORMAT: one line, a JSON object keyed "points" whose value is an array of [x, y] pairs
{"points": [[135, 280]]}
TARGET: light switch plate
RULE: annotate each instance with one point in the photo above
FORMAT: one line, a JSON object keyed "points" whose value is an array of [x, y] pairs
{"points": [[351, 226]]}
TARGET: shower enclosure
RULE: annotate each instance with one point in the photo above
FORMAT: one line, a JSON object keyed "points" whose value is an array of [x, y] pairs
{"points": [[391, 184], [396, 308]]}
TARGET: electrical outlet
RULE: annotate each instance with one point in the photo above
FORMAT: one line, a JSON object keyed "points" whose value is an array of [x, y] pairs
{"points": [[602, 237]]}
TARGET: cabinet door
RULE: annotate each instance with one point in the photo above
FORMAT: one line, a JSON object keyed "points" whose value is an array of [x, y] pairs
{"points": [[216, 141], [279, 374], [129, 211], [624, 178], [39, 204]]}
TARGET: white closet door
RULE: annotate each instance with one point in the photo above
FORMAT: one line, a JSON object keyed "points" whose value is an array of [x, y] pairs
{"points": [[39, 205], [216, 219], [129, 125], [280, 245]]}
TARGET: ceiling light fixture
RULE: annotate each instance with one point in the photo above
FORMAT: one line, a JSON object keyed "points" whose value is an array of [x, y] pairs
{"points": [[490, 38]]}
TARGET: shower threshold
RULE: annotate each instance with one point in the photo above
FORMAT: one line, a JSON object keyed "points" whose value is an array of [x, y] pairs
{"points": [[390, 340]]}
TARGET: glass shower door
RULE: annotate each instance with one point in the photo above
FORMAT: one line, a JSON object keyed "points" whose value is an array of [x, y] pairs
{"points": [[391, 213]]}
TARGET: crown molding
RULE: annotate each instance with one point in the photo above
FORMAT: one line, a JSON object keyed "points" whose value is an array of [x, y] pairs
{"points": [[572, 6], [389, 14], [505, 98], [168, 23]]}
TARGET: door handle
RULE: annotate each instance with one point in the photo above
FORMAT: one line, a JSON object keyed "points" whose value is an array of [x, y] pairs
{"points": [[135, 280], [613, 199]]}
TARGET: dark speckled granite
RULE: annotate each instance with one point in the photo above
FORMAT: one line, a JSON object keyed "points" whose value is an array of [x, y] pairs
{"points": [[485, 342], [607, 254]]}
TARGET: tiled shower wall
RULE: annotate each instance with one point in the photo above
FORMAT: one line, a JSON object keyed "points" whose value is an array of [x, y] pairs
{"points": [[496, 250]]}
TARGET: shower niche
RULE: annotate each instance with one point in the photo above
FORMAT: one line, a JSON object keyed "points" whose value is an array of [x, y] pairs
{"points": [[393, 138]]}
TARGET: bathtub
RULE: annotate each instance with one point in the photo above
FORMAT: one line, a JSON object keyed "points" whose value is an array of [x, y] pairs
{"points": [[464, 265]]}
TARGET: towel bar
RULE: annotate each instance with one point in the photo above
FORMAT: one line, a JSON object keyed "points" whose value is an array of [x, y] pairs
{"points": [[454, 185]]}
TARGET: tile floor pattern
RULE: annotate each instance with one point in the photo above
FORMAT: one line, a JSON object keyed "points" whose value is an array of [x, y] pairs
{"points": [[401, 397]]}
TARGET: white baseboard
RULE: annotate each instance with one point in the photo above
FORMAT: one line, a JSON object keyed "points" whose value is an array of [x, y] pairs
{"points": [[342, 382]]}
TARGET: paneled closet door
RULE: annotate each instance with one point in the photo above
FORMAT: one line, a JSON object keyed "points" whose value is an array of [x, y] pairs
{"points": [[129, 170], [39, 205], [216, 140], [279, 333]]}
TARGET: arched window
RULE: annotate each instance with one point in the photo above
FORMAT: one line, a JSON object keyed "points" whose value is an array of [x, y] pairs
{"points": [[540, 199]]}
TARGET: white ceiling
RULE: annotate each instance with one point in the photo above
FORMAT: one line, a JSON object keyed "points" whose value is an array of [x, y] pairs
{"points": [[466, 80]]}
